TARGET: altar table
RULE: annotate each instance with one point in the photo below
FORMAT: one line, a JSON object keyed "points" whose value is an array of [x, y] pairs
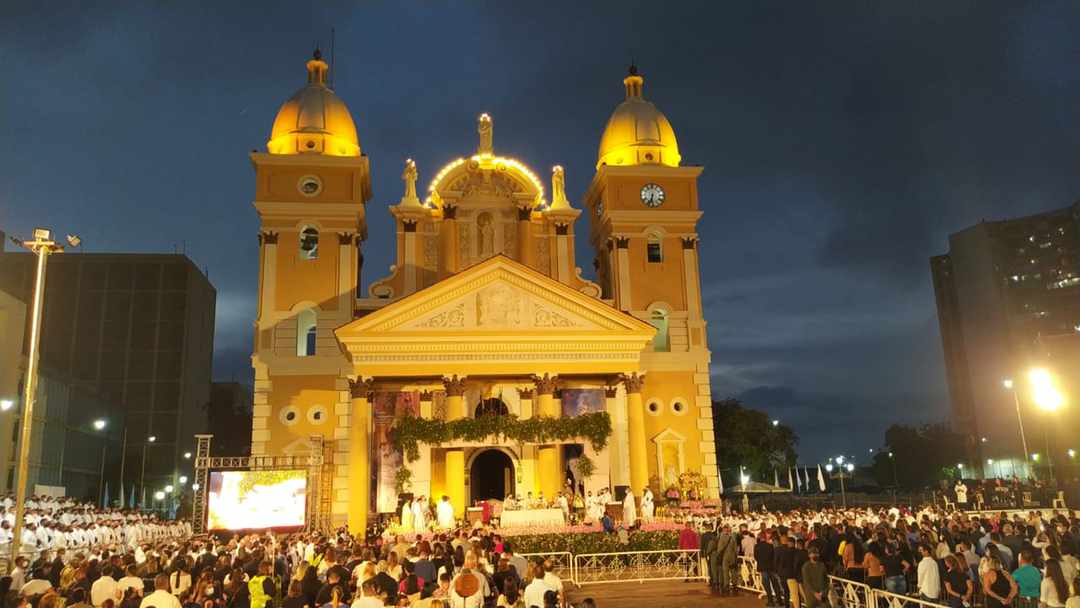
{"points": [[532, 518]]}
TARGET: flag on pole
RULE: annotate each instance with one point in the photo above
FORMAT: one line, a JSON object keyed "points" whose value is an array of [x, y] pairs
{"points": [[121, 494], [798, 479], [131, 498], [776, 478], [105, 497], [820, 478], [720, 478], [143, 505], [790, 483]]}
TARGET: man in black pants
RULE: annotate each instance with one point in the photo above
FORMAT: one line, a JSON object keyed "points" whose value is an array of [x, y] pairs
{"points": [[785, 567], [765, 557]]}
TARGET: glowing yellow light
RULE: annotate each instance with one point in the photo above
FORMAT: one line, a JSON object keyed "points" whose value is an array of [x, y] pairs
{"points": [[1043, 392], [488, 161]]}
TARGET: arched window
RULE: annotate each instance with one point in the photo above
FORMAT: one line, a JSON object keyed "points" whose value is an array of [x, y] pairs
{"points": [[654, 249], [306, 332], [662, 340], [309, 243], [492, 407]]}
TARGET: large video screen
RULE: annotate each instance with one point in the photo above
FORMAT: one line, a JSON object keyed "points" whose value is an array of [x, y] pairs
{"points": [[246, 500]]}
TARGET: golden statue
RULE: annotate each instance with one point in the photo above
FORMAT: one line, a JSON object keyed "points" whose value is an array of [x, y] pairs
{"points": [[485, 128], [558, 188], [409, 177]]}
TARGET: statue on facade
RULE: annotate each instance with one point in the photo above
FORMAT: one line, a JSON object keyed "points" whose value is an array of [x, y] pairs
{"points": [[409, 177], [485, 128], [558, 188]]}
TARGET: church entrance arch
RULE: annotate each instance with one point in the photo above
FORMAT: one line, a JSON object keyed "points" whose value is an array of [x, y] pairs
{"points": [[491, 475]]}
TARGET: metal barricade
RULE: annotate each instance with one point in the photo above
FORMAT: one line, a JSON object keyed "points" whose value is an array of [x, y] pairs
{"points": [[562, 564], [640, 566], [886, 599], [850, 594], [748, 577]]}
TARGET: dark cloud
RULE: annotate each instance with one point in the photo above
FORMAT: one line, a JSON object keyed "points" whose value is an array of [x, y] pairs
{"points": [[842, 143]]}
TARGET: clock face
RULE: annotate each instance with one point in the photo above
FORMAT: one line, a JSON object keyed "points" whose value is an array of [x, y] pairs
{"points": [[652, 195]]}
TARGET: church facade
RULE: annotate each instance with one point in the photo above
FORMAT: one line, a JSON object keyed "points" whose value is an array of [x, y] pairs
{"points": [[485, 312]]}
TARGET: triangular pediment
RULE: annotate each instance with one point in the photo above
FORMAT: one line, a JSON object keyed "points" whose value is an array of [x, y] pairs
{"points": [[492, 314], [500, 295]]}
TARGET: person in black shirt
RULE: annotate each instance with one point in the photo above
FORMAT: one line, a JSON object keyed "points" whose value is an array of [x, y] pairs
{"points": [[799, 556], [333, 580], [784, 556], [958, 586], [765, 557]]}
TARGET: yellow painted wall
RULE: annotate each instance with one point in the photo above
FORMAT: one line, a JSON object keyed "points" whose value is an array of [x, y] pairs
{"points": [[279, 183], [300, 279], [624, 192], [666, 387], [301, 393], [438, 474]]}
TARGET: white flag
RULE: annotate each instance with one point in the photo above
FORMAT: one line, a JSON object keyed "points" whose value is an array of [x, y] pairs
{"points": [[776, 478], [790, 483], [820, 478], [798, 478], [720, 477]]}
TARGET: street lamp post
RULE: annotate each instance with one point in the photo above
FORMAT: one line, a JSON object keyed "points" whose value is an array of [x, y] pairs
{"points": [[42, 246], [1048, 398], [1011, 386], [142, 474]]}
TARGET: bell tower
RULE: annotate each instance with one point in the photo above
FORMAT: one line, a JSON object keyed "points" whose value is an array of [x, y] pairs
{"points": [[311, 186], [643, 207]]}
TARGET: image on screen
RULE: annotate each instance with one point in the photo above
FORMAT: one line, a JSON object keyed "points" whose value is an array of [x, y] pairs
{"points": [[246, 500]]}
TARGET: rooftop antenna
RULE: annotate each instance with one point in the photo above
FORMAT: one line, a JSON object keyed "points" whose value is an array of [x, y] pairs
{"points": [[331, 58]]}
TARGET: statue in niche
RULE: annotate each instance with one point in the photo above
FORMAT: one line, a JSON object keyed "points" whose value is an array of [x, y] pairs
{"points": [[485, 232]]}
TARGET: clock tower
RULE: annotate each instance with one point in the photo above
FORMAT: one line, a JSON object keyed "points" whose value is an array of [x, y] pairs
{"points": [[644, 212]]}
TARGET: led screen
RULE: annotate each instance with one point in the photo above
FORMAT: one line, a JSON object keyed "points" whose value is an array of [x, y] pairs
{"points": [[245, 500]]}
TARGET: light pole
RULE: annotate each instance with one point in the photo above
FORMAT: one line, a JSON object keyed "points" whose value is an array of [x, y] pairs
{"points": [[42, 246], [142, 475], [1048, 398], [1011, 386]]}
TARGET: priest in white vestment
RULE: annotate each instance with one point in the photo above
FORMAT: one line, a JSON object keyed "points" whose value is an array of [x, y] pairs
{"points": [[445, 513], [629, 508], [647, 506]]}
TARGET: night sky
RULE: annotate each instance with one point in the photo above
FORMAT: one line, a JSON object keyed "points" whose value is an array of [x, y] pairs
{"points": [[842, 143]]}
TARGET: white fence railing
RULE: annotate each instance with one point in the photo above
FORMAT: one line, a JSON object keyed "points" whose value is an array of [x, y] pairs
{"points": [[747, 576], [850, 594], [562, 563], [640, 566]]}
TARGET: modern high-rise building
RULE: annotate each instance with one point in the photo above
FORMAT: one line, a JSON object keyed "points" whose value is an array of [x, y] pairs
{"points": [[138, 331], [1008, 300]]}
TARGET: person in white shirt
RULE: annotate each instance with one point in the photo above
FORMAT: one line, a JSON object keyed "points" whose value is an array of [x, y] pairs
{"points": [[130, 581], [104, 588], [929, 577], [535, 590], [160, 598]]}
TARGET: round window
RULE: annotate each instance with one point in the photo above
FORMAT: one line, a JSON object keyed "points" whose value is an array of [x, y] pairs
{"points": [[289, 416], [678, 407], [653, 408], [309, 185], [316, 414]]}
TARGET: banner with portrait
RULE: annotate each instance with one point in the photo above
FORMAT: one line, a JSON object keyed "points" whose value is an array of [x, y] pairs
{"points": [[386, 409], [578, 401]]}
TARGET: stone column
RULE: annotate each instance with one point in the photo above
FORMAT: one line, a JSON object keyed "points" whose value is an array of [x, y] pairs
{"points": [[548, 456], [359, 468], [408, 227], [455, 457], [529, 481], [524, 236], [635, 413], [421, 467], [622, 267], [611, 406], [448, 258]]}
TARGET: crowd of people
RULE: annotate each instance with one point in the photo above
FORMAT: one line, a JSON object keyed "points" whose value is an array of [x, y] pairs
{"points": [[942, 557], [60, 523]]}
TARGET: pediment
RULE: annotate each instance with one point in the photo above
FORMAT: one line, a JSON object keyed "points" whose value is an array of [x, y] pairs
{"points": [[497, 295], [497, 317]]}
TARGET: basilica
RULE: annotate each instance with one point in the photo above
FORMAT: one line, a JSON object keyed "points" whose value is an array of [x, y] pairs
{"points": [[484, 313]]}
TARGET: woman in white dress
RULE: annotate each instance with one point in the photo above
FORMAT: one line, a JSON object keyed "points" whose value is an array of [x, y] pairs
{"points": [[629, 508], [407, 516], [445, 513], [647, 506], [419, 509]]}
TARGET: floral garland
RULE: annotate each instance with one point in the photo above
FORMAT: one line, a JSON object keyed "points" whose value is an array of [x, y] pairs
{"points": [[411, 431]]}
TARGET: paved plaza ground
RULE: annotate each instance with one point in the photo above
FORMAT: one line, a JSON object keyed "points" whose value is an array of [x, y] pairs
{"points": [[659, 594]]}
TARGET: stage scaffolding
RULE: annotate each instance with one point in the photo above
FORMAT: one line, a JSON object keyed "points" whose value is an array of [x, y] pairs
{"points": [[316, 461]]}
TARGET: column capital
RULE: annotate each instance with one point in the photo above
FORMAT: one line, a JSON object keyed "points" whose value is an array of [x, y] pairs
{"points": [[455, 386], [361, 388], [610, 392], [545, 385], [425, 395], [633, 382], [268, 238], [525, 393], [345, 238], [524, 213], [449, 212], [689, 242]]}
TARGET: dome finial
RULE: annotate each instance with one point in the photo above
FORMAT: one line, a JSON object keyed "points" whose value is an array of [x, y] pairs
{"points": [[633, 82], [317, 68], [317, 54]]}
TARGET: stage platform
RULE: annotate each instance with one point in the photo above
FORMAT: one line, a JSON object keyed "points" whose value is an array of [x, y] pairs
{"points": [[660, 594]]}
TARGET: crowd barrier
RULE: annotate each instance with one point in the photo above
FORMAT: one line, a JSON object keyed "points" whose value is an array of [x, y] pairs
{"points": [[562, 563], [640, 566]]}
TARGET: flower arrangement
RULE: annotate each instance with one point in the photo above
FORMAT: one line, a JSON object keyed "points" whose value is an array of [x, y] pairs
{"points": [[692, 484], [412, 431]]}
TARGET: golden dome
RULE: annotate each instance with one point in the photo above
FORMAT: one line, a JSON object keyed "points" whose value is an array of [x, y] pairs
{"points": [[637, 133], [314, 120]]}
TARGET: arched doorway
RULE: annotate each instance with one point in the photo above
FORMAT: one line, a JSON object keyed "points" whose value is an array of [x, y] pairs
{"points": [[492, 406], [491, 476]]}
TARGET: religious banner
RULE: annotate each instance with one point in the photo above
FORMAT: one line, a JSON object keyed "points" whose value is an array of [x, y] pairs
{"points": [[578, 401], [386, 409]]}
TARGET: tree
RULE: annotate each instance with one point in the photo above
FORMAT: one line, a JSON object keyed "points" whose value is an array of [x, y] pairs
{"points": [[747, 438], [920, 456]]}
